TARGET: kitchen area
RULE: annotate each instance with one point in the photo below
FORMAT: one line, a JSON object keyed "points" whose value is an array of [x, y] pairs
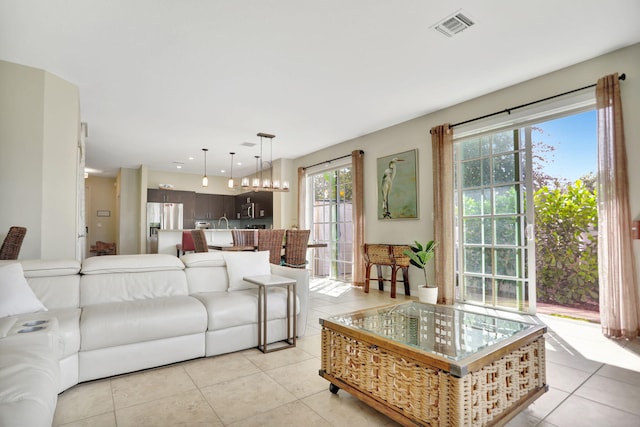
{"points": [[169, 212]]}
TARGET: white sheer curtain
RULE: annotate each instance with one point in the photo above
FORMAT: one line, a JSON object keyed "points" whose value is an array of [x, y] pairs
{"points": [[619, 313]]}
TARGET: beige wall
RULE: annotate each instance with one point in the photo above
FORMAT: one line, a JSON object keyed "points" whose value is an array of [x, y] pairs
{"points": [[60, 168], [193, 182], [415, 134], [101, 196], [188, 182], [39, 125], [128, 214]]}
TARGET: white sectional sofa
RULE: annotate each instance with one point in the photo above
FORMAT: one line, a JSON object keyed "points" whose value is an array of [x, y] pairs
{"points": [[123, 313]]}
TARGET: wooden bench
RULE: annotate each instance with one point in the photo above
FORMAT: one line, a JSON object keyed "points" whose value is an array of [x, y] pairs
{"points": [[387, 255]]}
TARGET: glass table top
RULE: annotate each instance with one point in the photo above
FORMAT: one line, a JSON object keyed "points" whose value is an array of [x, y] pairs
{"points": [[442, 330]]}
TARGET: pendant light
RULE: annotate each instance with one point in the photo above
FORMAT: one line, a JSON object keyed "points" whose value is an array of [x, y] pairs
{"points": [[230, 183], [205, 179], [256, 179], [260, 182]]}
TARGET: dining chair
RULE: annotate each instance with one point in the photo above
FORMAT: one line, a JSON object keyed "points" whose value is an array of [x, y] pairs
{"points": [[12, 243], [271, 240], [244, 237], [187, 242], [295, 248], [199, 241]]}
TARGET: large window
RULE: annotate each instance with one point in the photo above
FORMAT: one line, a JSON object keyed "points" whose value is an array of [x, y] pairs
{"points": [[332, 223]]}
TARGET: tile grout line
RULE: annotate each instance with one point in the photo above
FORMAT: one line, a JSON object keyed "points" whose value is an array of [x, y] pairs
{"points": [[572, 393]]}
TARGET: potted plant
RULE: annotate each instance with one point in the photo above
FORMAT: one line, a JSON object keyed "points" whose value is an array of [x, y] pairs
{"points": [[420, 255]]}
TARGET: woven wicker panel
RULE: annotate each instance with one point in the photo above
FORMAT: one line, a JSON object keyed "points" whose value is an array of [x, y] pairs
{"points": [[295, 249], [377, 254], [386, 254], [479, 397], [271, 240], [244, 237], [398, 255], [199, 241], [400, 382], [12, 243], [429, 395]]}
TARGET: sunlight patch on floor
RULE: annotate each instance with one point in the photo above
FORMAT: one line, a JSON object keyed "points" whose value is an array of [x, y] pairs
{"points": [[585, 339], [330, 287]]}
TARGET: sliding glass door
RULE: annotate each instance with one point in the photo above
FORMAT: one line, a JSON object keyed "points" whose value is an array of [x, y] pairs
{"points": [[494, 206], [332, 222]]}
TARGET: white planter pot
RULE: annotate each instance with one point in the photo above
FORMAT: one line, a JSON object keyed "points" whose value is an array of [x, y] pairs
{"points": [[428, 295]]}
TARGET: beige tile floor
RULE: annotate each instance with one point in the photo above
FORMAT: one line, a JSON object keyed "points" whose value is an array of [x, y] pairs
{"points": [[593, 382]]}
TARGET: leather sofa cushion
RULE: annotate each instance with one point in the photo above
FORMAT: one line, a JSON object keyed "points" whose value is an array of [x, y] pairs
{"points": [[68, 327], [207, 279], [113, 324], [56, 291], [6, 323], [49, 268], [119, 287], [130, 264], [228, 309], [29, 378], [204, 259]]}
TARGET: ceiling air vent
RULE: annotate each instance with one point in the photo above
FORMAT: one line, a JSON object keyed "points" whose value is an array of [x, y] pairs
{"points": [[248, 144], [454, 24]]}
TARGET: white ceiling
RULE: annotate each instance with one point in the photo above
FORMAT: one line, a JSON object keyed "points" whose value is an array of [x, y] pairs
{"points": [[159, 80]]}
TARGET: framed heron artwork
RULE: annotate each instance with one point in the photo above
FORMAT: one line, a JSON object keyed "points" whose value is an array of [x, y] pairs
{"points": [[398, 186]]}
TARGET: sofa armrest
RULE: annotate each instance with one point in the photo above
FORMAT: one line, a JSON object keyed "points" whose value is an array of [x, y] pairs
{"points": [[301, 276]]}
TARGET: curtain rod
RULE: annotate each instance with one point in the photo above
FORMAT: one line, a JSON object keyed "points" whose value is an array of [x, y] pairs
{"points": [[622, 76], [329, 161]]}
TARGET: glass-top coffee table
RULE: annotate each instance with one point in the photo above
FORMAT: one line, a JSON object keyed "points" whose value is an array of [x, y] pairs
{"points": [[434, 365]]}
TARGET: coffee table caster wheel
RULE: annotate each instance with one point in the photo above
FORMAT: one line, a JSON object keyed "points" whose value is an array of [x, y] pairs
{"points": [[334, 388]]}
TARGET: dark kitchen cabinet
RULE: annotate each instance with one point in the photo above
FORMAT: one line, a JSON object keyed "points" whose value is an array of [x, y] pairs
{"points": [[264, 204], [206, 206], [263, 201], [214, 206], [155, 195], [188, 200], [229, 207]]}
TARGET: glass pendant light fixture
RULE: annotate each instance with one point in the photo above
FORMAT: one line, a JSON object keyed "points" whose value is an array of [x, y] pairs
{"points": [[230, 182], [256, 179], [260, 182], [205, 179]]}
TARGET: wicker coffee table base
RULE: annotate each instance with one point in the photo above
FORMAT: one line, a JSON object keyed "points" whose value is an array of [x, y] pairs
{"points": [[414, 393]]}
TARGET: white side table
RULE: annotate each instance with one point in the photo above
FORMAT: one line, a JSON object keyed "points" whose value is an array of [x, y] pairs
{"points": [[264, 282]]}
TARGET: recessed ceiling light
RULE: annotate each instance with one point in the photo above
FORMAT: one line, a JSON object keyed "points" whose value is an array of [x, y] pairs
{"points": [[222, 171], [191, 157], [248, 144], [179, 166]]}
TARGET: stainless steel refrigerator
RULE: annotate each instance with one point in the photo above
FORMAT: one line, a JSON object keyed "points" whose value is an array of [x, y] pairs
{"points": [[161, 216]]}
